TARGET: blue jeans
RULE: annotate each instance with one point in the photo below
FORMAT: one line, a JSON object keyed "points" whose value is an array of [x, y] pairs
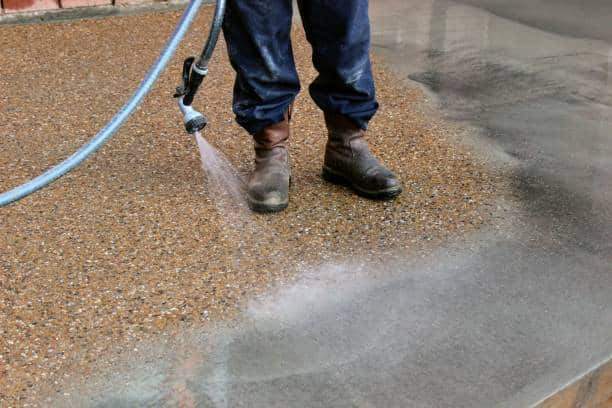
{"points": [[257, 33]]}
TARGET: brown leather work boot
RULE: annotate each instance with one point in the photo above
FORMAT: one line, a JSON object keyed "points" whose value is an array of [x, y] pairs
{"points": [[348, 161], [268, 186]]}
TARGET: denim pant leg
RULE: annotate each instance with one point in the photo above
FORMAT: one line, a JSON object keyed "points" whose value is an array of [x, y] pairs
{"points": [[339, 32], [258, 37]]}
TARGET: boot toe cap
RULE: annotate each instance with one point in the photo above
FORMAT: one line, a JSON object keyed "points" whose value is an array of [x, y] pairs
{"points": [[381, 179], [391, 181], [387, 185]]}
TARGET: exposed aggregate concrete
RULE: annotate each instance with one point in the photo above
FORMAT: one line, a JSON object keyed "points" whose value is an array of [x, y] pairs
{"points": [[130, 245]]}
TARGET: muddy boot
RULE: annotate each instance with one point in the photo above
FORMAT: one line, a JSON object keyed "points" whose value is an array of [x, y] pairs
{"points": [[268, 186], [348, 161]]}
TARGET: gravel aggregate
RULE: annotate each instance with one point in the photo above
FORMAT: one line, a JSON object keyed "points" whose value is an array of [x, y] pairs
{"points": [[132, 244]]}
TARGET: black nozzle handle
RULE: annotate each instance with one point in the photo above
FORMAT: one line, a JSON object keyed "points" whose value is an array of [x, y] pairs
{"points": [[193, 75], [195, 80], [186, 73], [194, 70]]}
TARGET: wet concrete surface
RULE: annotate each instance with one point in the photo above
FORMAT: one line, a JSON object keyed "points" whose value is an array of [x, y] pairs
{"points": [[534, 81], [538, 94], [447, 331], [503, 317]]}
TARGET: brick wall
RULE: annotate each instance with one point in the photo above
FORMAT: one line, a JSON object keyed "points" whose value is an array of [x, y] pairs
{"points": [[19, 6]]}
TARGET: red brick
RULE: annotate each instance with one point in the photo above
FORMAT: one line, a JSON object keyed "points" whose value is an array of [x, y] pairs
{"points": [[126, 2], [84, 3], [13, 6]]}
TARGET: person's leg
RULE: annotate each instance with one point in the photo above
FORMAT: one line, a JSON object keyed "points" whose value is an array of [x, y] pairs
{"points": [[339, 32], [257, 33], [258, 37]]}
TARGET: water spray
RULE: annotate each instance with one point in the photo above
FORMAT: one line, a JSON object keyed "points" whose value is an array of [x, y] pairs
{"points": [[194, 121]]}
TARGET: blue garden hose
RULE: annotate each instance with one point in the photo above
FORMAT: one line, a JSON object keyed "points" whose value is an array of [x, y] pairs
{"points": [[124, 113]]}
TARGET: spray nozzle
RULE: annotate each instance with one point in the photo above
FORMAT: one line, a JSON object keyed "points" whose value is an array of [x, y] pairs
{"points": [[192, 78], [194, 121]]}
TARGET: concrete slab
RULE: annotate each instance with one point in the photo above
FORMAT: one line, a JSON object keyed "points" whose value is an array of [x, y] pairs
{"points": [[533, 80]]}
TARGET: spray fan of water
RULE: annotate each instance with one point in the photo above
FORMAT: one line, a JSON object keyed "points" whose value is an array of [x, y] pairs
{"points": [[227, 190], [225, 186]]}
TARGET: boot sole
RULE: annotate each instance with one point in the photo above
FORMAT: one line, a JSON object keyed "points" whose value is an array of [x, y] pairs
{"points": [[337, 178], [263, 208]]}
